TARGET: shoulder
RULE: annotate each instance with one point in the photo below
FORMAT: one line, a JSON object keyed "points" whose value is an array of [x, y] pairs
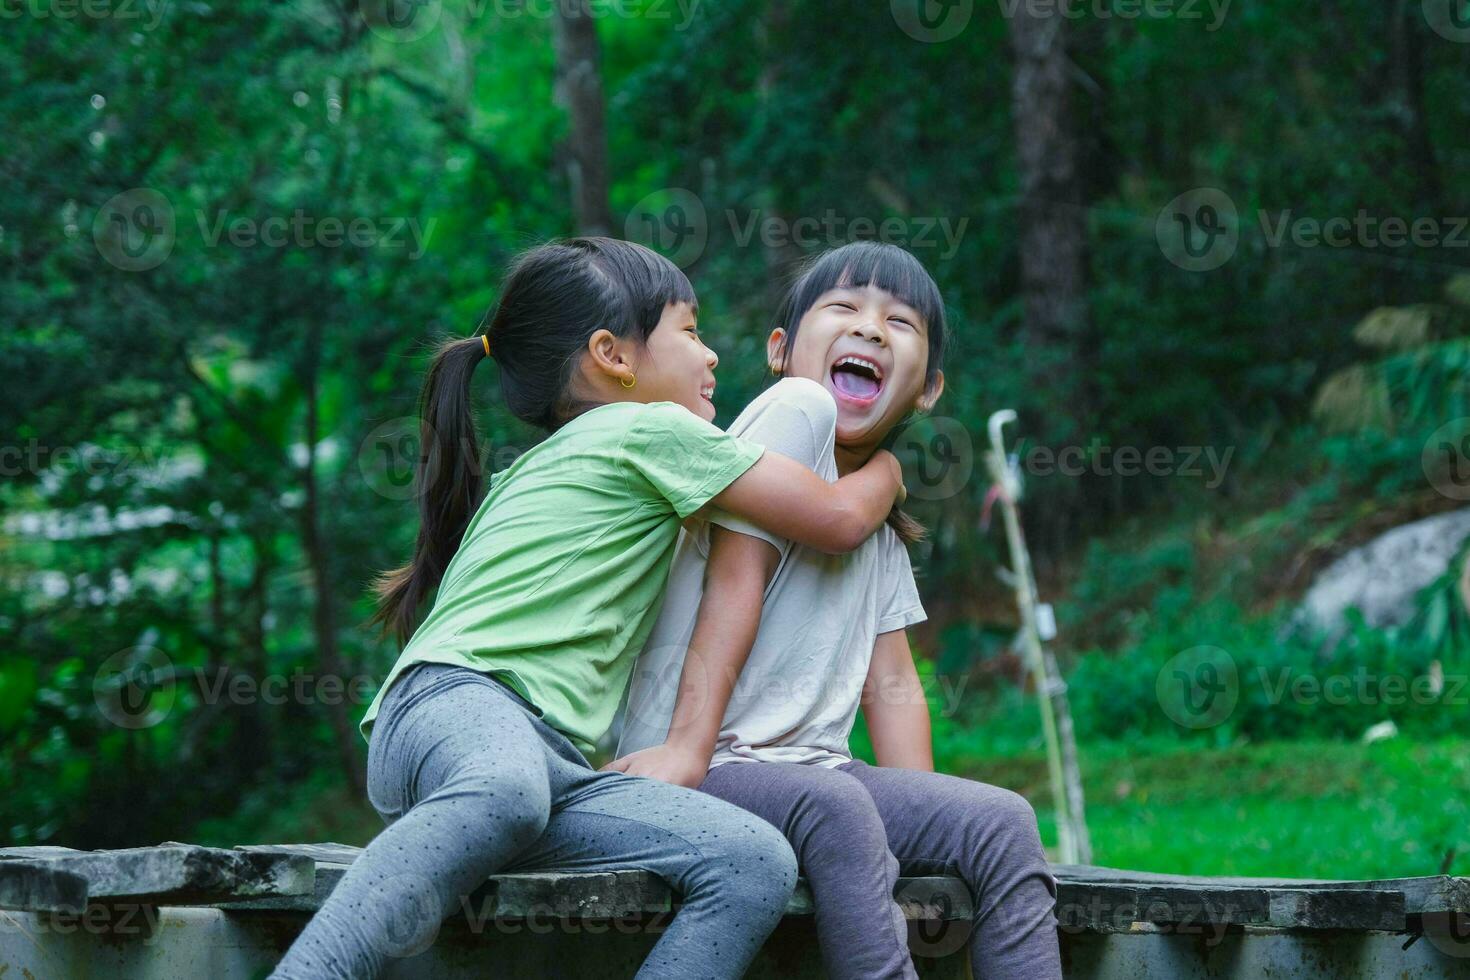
{"points": [[800, 395], [791, 405], [656, 420]]}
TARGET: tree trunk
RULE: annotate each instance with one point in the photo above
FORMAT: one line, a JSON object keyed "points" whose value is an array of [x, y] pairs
{"points": [[1406, 98], [323, 618], [579, 92], [1053, 221]]}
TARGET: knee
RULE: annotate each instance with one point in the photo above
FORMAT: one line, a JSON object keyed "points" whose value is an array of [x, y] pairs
{"points": [[836, 814], [1015, 819], [497, 809], [753, 863], [1003, 829]]}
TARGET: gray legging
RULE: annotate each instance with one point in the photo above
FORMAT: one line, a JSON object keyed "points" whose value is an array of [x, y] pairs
{"points": [[472, 783], [856, 826]]}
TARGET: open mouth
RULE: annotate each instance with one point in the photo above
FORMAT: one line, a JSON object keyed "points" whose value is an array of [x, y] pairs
{"points": [[708, 393], [857, 378]]}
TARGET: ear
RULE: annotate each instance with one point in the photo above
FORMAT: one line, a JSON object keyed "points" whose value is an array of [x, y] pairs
{"points": [[931, 393], [607, 355], [776, 350]]}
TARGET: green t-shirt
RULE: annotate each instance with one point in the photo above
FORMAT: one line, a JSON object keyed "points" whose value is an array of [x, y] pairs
{"points": [[562, 569]]}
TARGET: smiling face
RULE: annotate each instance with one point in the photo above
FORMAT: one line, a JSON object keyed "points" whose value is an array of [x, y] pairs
{"points": [[871, 351], [675, 365]]}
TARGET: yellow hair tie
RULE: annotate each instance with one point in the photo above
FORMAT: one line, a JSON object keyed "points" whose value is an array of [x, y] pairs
{"points": [[485, 339]]}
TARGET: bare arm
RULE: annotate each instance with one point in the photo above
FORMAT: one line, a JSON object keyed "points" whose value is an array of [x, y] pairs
{"points": [[729, 615], [895, 708], [789, 500]]}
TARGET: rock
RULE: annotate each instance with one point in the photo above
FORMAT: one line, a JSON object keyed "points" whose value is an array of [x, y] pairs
{"points": [[1382, 578]]}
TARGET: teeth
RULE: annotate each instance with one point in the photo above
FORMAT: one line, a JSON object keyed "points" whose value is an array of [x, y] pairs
{"points": [[862, 362]]}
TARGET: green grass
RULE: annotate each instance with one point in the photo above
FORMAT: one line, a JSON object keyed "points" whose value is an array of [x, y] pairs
{"points": [[1307, 809], [1313, 809]]}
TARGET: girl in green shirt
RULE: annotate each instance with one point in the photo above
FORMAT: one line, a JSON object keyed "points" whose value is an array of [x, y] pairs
{"points": [[544, 589]]}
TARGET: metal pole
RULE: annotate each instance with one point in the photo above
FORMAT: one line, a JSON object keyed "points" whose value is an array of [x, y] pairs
{"points": [[1056, 718]]}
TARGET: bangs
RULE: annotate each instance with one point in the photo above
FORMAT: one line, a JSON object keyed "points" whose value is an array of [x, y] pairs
{"points": [[877, 264], [648, 281]]}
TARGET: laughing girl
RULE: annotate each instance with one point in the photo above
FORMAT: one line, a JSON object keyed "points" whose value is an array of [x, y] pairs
{"points": [[859, 342]]}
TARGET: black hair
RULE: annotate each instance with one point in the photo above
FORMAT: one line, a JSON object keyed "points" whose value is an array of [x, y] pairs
{"points": [[857, 264], [553, 299], [886, 267]]}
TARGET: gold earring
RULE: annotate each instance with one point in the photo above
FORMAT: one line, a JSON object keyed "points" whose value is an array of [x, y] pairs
{"points": [[627, 383], [775, 371]]}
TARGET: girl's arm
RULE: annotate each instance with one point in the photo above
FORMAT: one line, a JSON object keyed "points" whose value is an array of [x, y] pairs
{"points": [[789, 500], [729, 614], [895, 707]]}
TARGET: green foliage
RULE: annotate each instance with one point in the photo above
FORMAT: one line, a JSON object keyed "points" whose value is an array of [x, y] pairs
{"points": [[198, 440]]}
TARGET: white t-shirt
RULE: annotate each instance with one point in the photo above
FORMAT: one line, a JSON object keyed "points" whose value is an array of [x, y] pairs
{"points": [[798, 695]]}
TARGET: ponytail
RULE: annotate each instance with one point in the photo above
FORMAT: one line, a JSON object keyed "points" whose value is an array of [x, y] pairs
{"points": [[448, 483]]}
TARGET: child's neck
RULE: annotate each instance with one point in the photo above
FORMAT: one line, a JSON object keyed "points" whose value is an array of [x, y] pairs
{"points": [[850, 459]]}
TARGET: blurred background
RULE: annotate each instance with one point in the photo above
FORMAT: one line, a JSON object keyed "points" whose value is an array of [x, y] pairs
{"points": [[1214, 252]]}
